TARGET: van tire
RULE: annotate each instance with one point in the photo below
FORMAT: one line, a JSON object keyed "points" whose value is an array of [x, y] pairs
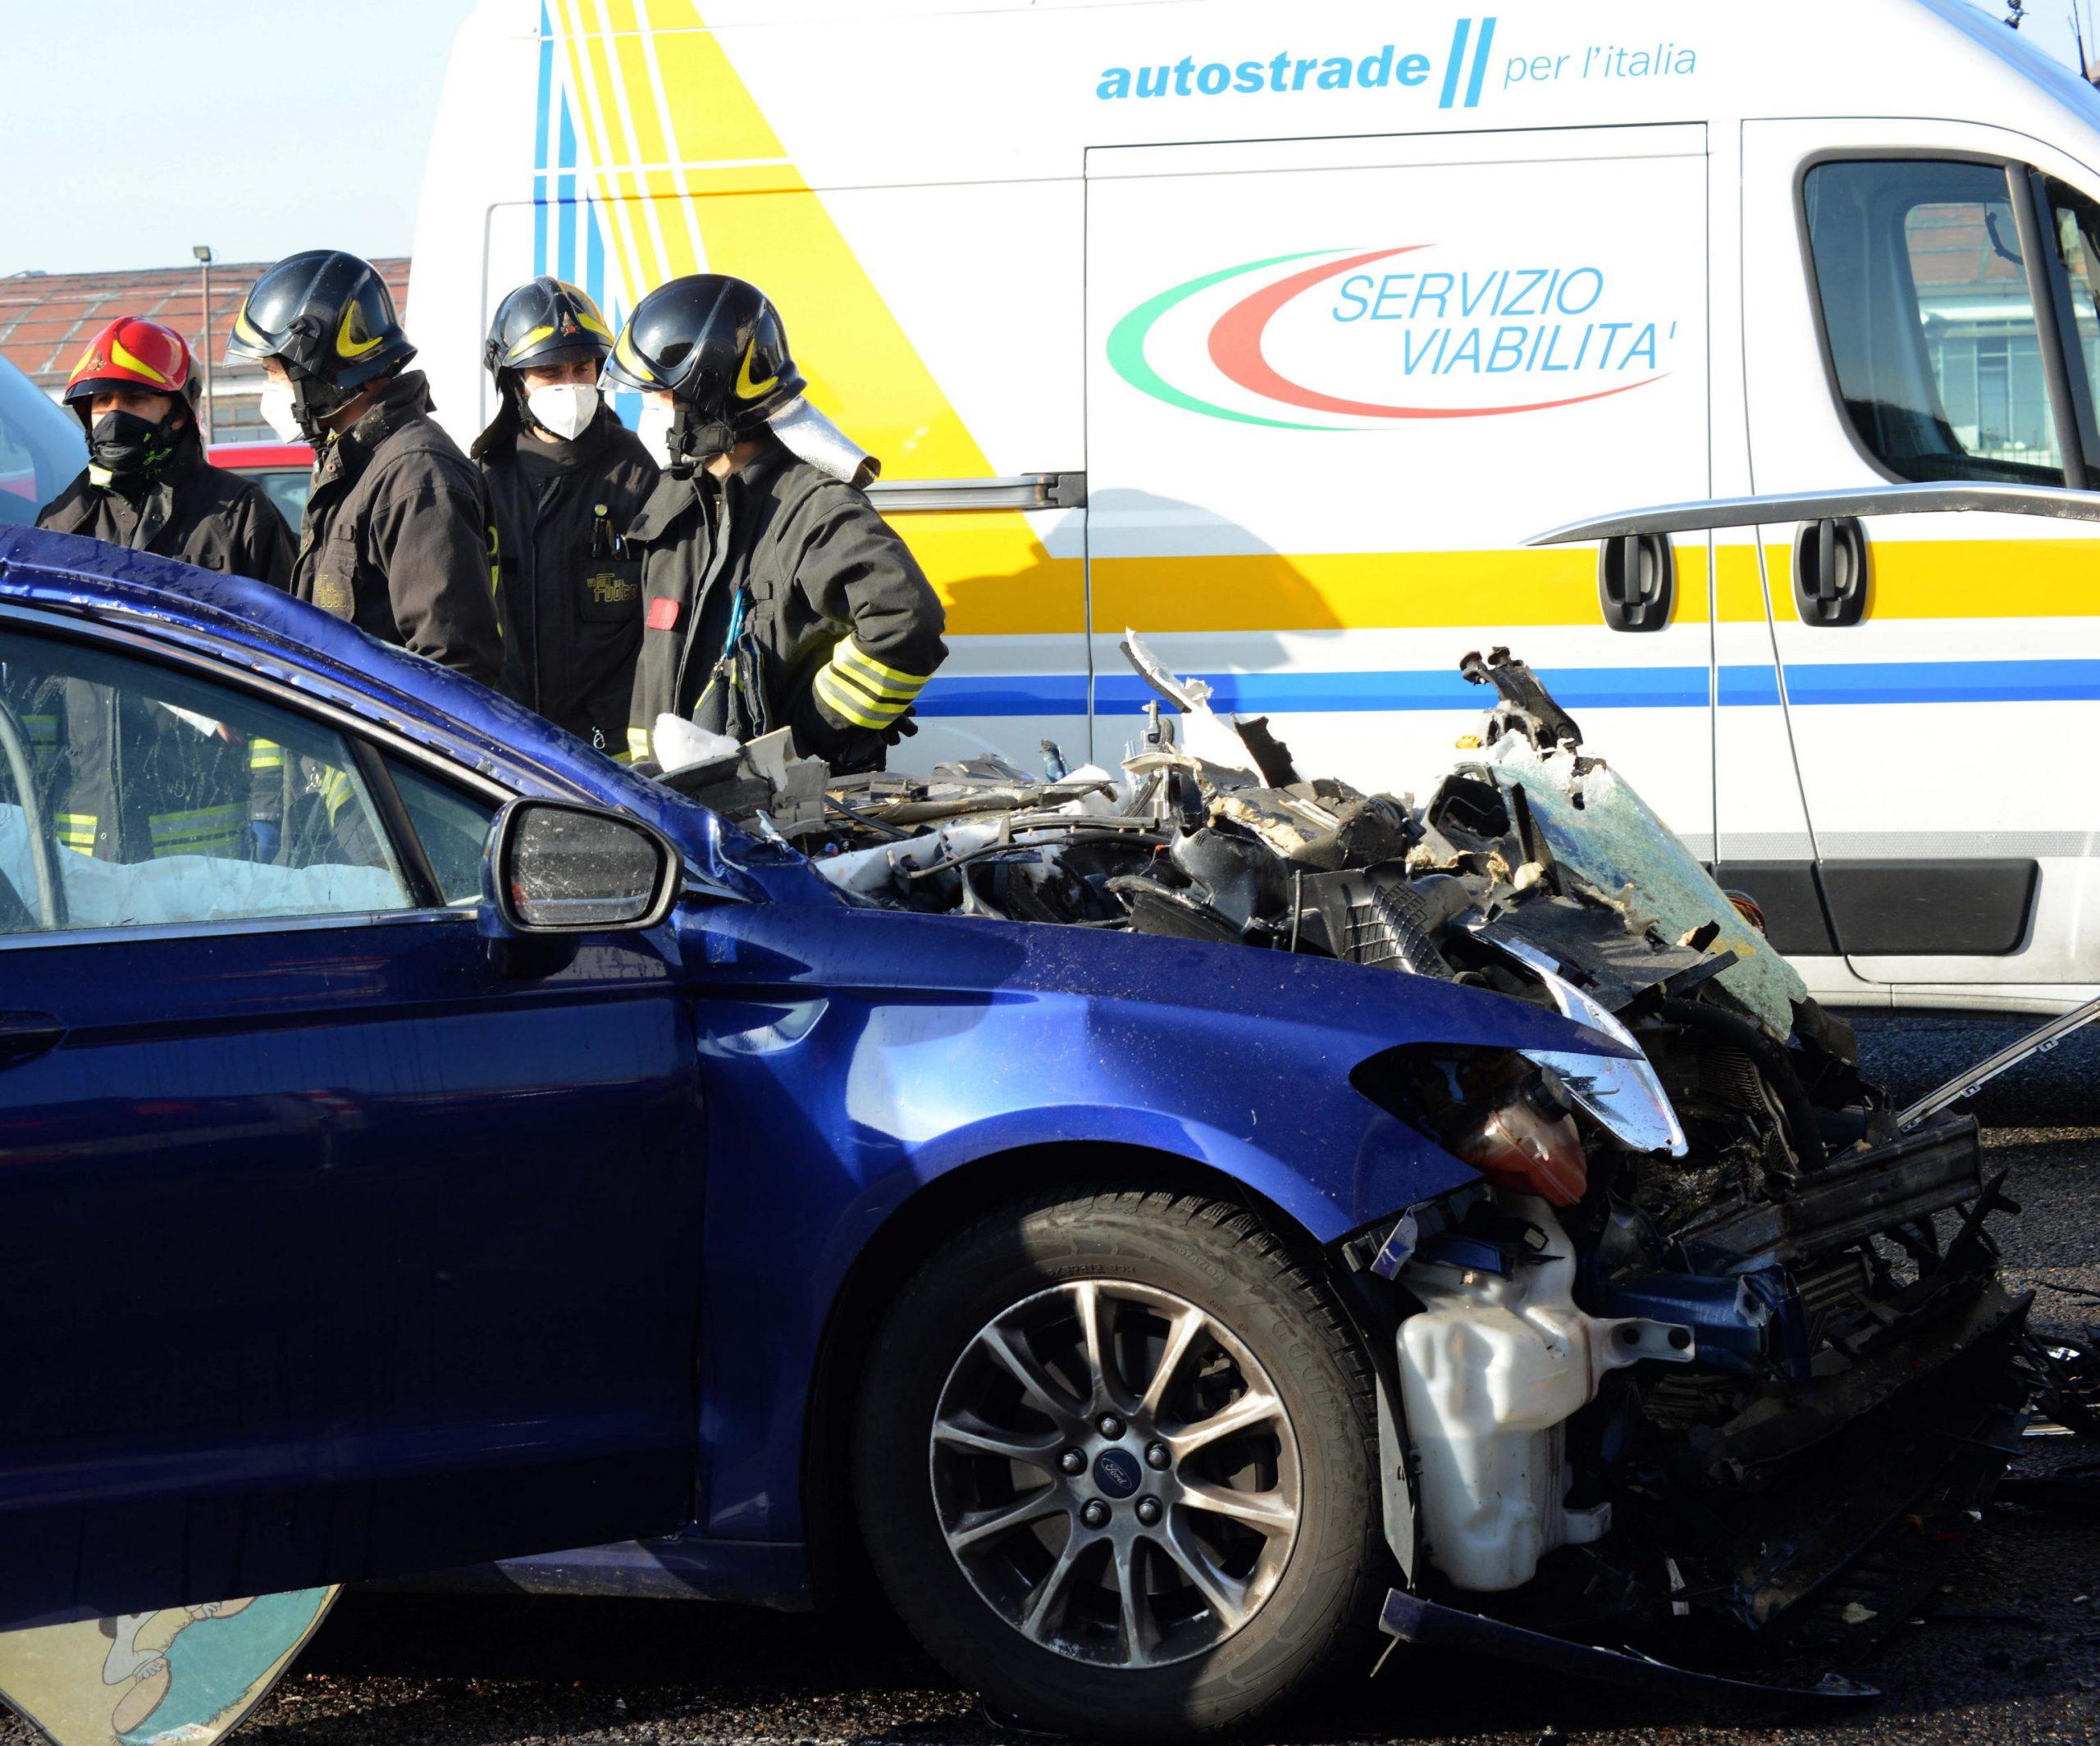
{"points": [[1139, 1254]]}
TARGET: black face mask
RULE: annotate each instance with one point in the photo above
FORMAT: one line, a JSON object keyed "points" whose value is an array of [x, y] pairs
{"points": [[127, 449], [695, 441]]}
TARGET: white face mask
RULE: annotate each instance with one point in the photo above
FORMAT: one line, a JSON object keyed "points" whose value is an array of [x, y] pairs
{"points": [[564, 409], [277, 412], [654, 428]]}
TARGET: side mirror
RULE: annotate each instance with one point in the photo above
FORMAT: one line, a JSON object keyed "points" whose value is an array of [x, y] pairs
{"points": [[552, 867]]}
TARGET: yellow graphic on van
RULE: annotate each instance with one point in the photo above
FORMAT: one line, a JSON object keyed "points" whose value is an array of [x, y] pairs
{"points": [[691, 178]]}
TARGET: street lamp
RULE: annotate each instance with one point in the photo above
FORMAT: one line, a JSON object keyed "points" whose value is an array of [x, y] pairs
{"points": [[202, 253]]}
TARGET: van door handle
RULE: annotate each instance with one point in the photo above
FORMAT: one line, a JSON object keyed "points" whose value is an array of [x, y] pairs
{"points": [[1830, 572], [1637, 576], [26, 1036]]}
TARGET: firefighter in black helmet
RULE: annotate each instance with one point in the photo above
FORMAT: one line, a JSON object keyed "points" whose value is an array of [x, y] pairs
{"points": [[564, 479], [774, 595], [396, 535]]}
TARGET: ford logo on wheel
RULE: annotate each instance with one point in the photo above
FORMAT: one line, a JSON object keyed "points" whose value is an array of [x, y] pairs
{"points": [[1116, 1472]]}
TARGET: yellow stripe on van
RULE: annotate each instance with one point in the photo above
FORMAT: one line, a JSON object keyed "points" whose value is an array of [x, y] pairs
{"points": [[1967, 578], [1557, 586]]}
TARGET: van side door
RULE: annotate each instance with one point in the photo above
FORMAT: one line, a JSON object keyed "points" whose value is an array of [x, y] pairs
{"points": [[1919, 305], [1334, 386]]}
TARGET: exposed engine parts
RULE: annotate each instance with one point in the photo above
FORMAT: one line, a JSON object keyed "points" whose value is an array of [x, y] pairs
{"points": [[1717, 1329]]}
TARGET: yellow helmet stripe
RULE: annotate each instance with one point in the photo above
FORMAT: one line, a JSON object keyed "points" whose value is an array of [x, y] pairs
{"points": [[532, 340], [345, 346], [246, 331], [125, 361], [746, 388], [586, 319], [631, 359]]}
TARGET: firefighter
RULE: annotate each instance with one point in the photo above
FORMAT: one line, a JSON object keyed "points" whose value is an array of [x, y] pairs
{"points": [[774, 595], [396, 536], [564, 478], [147, 486], [147, 483]]}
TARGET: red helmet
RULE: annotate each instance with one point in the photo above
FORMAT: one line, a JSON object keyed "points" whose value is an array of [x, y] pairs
{"points": [[132, 353]]}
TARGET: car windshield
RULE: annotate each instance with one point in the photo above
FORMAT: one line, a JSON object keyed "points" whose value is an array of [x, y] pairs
{"points": [[41, 447]]}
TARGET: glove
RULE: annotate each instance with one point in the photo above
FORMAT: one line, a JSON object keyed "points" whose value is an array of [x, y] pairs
{"points": [[263, 838]]}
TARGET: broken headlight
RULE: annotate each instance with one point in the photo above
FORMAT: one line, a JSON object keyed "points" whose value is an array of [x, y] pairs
{"points": [[1508, 1117], [1623, 1096]]}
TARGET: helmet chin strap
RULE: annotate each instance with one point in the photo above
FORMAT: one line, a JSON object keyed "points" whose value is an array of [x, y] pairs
{"points": [[695, 440], [313, 403]]}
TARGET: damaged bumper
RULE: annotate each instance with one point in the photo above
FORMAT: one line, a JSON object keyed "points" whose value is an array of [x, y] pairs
{"points": [[1712, 1356]]}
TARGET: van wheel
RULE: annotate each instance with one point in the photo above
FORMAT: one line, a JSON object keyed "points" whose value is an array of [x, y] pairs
{"points": [[1113, 1460]]}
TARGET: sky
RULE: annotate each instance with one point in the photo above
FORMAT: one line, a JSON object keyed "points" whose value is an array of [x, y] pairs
{"points": [[261, 127]]}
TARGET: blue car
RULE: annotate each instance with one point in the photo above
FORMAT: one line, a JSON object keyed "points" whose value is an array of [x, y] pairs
{"points": [[428, 1145]]}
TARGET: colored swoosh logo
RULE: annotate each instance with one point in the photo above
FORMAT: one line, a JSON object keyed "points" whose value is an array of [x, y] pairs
{"points": [[1235, 347], [1126, 346], [746, 388], [345, 346]]}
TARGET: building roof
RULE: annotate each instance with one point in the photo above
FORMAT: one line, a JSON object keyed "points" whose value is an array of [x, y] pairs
{"points": [[46, 319]]}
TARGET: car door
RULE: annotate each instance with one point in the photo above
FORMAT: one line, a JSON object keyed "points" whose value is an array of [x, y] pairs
{"points": [[1335, 385], [333, 1244], [1919, 306]]}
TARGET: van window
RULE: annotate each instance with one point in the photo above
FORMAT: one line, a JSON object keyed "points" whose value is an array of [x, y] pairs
{"points": [[2074, 222], [1931, 324]]}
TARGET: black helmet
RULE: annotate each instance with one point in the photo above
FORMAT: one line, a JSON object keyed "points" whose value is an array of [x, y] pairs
{"points": [[716, 344], [545, 322], [328, 315]]}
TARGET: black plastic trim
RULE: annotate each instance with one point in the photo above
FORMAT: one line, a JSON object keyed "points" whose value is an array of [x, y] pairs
{"points": [[1796, 920], [1930, 909]]}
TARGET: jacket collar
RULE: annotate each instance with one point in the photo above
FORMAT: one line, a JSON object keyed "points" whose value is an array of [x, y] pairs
{"points": [[678, 493], [406, 397]]}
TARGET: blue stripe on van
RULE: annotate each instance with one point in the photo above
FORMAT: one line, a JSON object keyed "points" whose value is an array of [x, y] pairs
{"points": [[1575, 688], [539, 142]]}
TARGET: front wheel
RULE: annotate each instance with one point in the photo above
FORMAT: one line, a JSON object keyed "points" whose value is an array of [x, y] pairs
{"points": [[1113, 1460]]}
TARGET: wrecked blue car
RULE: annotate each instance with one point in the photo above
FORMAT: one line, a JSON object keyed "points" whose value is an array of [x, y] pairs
{"points": [[1171, 1218]]}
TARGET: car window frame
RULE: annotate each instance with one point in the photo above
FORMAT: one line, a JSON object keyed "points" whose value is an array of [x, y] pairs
{"points": [[2024, 189], [369, 745]]}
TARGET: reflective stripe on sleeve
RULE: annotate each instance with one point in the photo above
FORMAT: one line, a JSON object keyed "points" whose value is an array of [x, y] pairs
{"points": [[637, 743], [864, 691]]}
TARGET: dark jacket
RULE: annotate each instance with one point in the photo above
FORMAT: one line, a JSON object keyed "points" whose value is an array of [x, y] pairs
{"points": [[83, 734], [571, 597], [780, 599], [197, 512], [396, 537]]}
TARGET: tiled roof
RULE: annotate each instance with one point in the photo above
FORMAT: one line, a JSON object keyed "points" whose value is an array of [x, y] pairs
{"points": [[47, 318]]}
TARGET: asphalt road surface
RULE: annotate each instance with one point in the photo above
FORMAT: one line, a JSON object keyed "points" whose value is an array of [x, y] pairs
{"points": [[2009, 1652]]}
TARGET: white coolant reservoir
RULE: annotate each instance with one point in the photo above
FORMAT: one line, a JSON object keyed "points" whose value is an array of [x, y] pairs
{"points": [[1490, 1370]]}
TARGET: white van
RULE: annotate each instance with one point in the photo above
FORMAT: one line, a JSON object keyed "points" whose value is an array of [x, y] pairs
{"points": [[1275, 332]]}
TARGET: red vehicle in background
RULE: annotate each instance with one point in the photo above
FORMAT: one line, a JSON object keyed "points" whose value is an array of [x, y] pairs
{"points": [[284, 470]]}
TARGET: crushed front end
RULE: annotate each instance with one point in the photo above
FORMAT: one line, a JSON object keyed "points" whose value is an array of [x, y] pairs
{"points": [[1713, 1359]]}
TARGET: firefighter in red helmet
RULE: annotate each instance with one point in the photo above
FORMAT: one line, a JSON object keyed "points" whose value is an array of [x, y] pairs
{"points": [[148, 484]]}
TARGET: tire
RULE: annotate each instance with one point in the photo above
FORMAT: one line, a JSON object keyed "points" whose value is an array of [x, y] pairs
{"points": [[1210, 1617]]}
